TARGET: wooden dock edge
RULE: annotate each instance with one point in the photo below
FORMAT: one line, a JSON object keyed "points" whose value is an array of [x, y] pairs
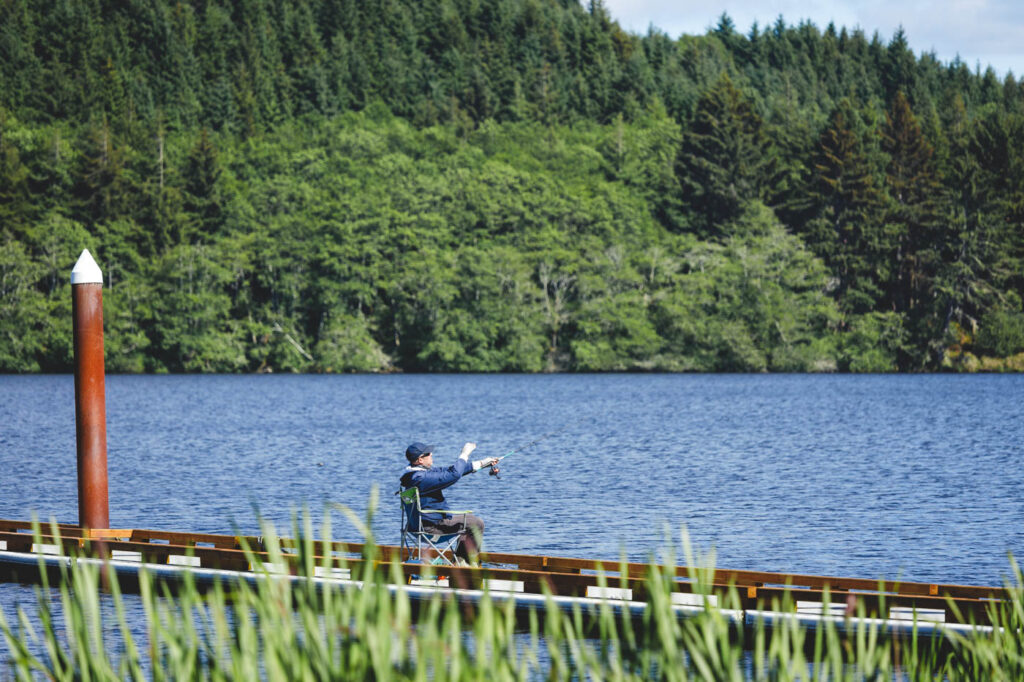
{"points": [[530, 576]]}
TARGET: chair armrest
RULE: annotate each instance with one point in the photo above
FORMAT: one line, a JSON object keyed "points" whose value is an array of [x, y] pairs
{"points": [[446, 511]]}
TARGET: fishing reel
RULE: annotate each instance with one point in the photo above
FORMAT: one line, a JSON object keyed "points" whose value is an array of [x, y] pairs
{"points": [[495, 471]]}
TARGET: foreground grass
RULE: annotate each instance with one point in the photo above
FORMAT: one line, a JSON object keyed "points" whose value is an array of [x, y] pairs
{"points": [[280, 630]]}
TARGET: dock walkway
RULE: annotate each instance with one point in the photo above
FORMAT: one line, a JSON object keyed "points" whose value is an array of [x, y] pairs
{"points": [[525, 579]]}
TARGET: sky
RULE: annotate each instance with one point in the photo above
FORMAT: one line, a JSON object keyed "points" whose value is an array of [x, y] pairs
{"points": [[985, 32]]}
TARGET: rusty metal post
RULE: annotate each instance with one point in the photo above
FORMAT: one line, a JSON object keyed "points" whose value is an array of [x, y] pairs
{"points": [[90, 392]]}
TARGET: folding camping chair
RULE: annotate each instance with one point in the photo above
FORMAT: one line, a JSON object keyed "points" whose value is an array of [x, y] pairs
{"points": [[416, 540]]}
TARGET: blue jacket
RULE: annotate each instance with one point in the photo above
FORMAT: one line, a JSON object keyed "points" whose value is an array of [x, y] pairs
{"points": [[431, 483]]}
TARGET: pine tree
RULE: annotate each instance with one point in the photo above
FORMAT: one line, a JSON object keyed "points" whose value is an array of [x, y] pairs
{"points": [[914, 188], [725, 159], [974, 268], [216, 40], [914, 220], [848, 228], [15, 199], [100, 189], [202, 191], [305, 56], [899, 68]]}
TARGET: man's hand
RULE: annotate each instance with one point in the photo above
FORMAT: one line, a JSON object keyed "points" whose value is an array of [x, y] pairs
{"points": [[485, 462], [466, 449]]}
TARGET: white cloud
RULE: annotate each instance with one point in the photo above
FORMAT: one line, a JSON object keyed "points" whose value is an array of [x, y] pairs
{"points": [[979, 31]]}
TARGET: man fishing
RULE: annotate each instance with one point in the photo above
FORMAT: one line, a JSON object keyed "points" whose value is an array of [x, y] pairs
{"points": [[431, 481]]}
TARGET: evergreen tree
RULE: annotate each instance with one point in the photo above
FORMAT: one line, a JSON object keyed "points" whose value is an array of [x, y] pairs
{"points": [[100, 191], [725, 159], [962, 278], [995, 146], [848, 229], [899, 67], [15, 199], [202, 191], [916, 229]]}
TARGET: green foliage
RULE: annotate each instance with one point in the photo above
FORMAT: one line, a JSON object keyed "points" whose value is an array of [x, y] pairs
{"points": [[1001, 333], [756, 303], [196, 331], [725, 161], [915, 228], [873, 343], [347, 345], [615, 333], [311, 628], [847, 224], [24, 310], [508, 185]]}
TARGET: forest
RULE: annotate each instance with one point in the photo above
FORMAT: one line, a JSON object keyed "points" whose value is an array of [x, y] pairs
{"points": [[500, 186]]}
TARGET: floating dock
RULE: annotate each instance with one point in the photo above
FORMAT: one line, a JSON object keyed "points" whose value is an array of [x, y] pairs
{"points": [[529, 581]]}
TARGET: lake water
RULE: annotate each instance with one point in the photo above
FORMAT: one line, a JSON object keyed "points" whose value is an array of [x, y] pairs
{"points": [[912, 477]]}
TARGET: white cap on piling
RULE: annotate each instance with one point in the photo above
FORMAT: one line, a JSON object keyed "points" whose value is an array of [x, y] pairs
{"points": [[86, 271]]}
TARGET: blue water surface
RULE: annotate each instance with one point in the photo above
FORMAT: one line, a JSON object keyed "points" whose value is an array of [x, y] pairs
{"points": [[912, 477]]}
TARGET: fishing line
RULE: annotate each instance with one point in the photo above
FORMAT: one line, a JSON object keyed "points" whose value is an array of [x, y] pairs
{"points": [[495, 471]]}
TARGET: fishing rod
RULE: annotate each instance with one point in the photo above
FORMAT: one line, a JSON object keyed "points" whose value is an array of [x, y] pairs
{"points": [[496, 472]]}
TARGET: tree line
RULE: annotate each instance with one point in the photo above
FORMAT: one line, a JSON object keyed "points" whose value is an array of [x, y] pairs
{"points": [[500, 185]]}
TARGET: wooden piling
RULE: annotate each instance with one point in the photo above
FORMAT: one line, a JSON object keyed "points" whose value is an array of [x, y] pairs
{"points": [[90, 393]]}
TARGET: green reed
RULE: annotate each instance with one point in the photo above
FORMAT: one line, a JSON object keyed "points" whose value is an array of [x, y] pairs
{"points": [[280, 628]]}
